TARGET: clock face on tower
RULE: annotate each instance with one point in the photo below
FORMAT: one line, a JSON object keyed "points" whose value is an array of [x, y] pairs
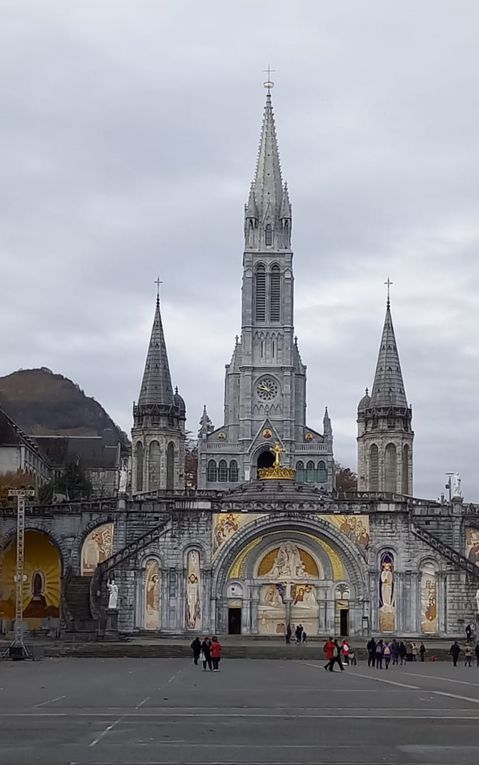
{"points": [[267, 389]]}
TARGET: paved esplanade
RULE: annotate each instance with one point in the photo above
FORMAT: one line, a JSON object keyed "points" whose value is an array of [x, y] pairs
{"points": [[169, 711]]}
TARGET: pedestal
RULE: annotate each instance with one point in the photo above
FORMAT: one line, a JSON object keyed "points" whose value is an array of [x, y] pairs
{"points": [[111, 627]]}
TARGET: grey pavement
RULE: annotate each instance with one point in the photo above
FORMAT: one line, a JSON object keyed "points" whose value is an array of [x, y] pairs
{"points": [[146, 711]]}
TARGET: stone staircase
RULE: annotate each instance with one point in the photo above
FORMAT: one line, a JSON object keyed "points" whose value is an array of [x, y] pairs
{"points": [[78, 601], [448, 552], [96, 582]]}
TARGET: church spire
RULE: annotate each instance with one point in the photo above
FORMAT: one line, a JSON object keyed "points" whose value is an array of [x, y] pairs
{"points": [[268, 184], [388, 387], [156, 387]]}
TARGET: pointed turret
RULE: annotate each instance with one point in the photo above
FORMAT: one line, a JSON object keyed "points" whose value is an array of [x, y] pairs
{"points": [[385, 435], [206, 426], [268, 210], [388, 386], [327, 428], [158, 432], [156, 387], [268, 184]]}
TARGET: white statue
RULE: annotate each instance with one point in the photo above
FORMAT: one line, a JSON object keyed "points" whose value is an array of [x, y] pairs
{"points": [[113, 590], [123, 479], [455, 486], [477, 600]]}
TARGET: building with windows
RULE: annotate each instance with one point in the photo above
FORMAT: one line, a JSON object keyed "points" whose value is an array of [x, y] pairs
{"points": [[247, 553], [265, 382]]}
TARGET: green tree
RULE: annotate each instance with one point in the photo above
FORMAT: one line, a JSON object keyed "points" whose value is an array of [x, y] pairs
{"points": [[346, 479], [73, 482]]}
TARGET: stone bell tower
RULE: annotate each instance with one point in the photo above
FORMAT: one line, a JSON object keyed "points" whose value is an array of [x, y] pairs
{"points": [[385, 435]]}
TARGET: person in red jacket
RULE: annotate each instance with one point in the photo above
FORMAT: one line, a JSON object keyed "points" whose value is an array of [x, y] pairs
{"points": [[215, 653], [328, 649]]}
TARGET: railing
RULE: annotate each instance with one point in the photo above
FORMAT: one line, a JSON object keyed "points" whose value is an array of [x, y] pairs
{"points": [[446, 551], [129, 551]]}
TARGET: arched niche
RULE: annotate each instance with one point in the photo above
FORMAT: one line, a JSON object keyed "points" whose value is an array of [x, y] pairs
{"points": [[97, 547]]}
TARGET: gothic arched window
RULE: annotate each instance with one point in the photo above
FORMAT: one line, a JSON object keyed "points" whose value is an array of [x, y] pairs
{"points": [[154, 466], [170, 466], [211, 471], [139, 466], [260, 292], [268, 235], [322, 476], [373, 468], [310, 472], [275, 294], [233, 471], [300, 471], [222, 471], [390, 468], [405, 470]]}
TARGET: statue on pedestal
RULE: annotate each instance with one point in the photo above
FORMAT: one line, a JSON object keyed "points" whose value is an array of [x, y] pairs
{"points": [[113, 591], [456, 492], [123, 479]]}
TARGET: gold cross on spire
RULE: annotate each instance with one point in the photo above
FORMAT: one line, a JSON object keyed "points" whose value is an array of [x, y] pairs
{"points": [[269, 82]]}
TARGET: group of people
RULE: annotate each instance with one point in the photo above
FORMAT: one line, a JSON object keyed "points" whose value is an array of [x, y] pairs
{"points": [[299, 634], [394, 651], [470, 651], [337, 653], [208, 652]]}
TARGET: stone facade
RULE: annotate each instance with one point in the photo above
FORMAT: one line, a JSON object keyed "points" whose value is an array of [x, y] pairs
{"points": [[265, 384]]}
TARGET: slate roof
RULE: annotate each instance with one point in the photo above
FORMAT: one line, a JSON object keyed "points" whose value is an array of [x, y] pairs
{"points": [[388, 387], [156, 386]]}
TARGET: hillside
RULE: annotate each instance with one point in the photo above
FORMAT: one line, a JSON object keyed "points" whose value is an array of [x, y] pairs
{"points": [[44, 403]]}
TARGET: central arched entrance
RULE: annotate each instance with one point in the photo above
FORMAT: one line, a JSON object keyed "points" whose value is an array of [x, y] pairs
{"points": [[290, 571], [265, 460]]}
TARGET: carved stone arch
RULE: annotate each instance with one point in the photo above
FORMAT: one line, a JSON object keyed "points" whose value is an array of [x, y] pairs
{"points": [[272, 524], [198, 547], [79, 541], [31, 525]]}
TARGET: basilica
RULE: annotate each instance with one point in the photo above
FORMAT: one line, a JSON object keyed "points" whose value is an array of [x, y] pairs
{"points": [[266, 540]]}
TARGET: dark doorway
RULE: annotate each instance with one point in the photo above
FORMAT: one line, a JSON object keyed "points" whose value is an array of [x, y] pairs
{"points": [[344, 622], [265, 460], [234, 621]]}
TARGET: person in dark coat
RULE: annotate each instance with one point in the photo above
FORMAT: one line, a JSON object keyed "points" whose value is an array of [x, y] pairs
{"points": [[196, 648], [299, 633], [288, 634], [402, 652], [395, 652], [476, 650], [455, 650], [379, 654], [206, 654], [422, 651], [371, 646], [336, 658]]}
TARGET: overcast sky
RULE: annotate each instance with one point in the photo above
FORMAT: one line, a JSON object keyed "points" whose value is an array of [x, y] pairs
{"points": [[128, 138]]}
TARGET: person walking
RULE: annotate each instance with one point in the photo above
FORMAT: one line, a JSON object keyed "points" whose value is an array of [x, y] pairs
{"points": [[379, 654], [422, 651], [387, 654], [215, 653], [336, 657], [196, 648], [395, 652], [298, 633], [455, 650], [468, 654], [345, 651], [477, 653], [206, 653], [352, 658], [328, 649], [402, 652], [371, 646], [288, 634], [304, 636], [413, 651]]}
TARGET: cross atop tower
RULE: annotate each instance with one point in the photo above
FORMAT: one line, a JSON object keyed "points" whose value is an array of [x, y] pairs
{"points": [[269, 82], [388, 284]]}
